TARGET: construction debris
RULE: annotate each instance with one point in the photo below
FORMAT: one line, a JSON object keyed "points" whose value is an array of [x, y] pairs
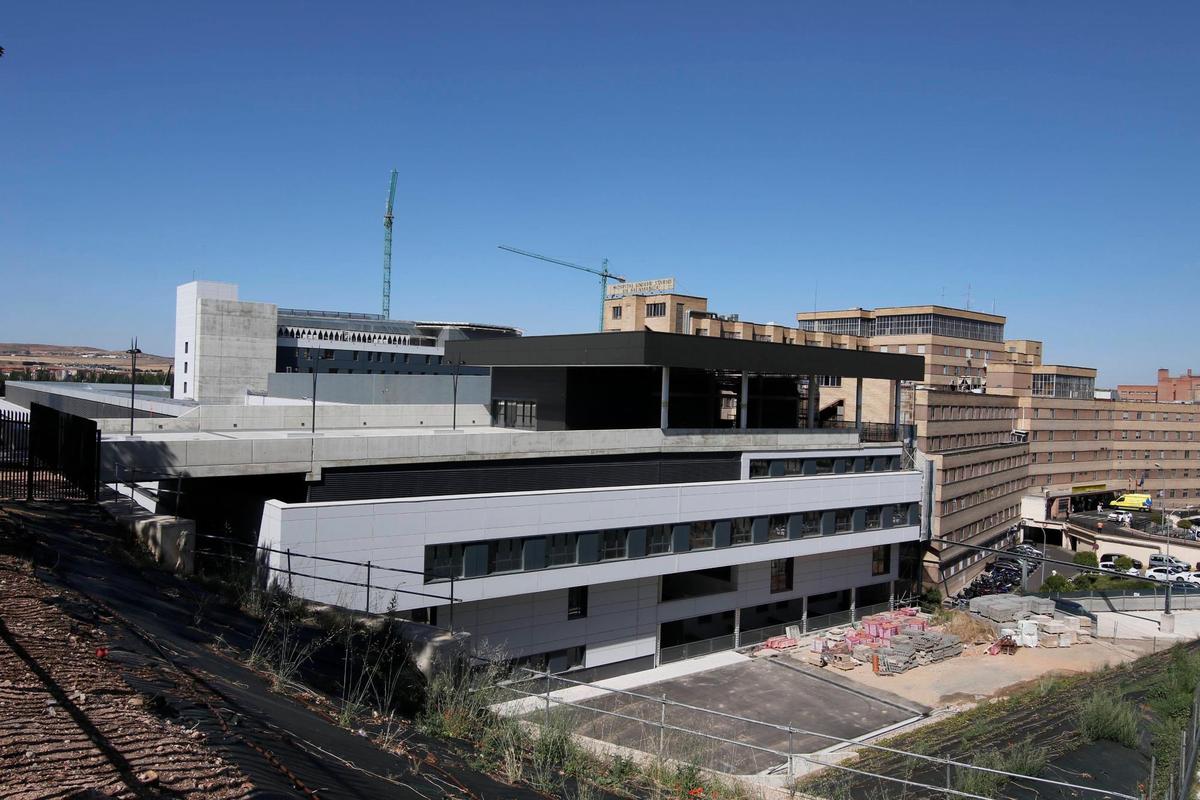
{"points": [[1005, 608]]}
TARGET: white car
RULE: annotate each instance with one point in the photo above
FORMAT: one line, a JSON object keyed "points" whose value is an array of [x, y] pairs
{"points": [[1164, 573], [1112, 565], [1189, 577]]}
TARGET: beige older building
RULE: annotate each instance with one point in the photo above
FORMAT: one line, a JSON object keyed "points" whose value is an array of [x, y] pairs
{"points": [[998, 424]]}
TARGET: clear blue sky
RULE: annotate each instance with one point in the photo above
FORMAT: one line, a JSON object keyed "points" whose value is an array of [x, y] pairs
{"points": [[1046, 154]]}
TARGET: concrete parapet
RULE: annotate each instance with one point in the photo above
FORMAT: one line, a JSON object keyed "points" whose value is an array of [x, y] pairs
{"points": [[171, 541]]}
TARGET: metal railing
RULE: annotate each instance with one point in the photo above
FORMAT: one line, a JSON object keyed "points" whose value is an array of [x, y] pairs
{"points": [[1182, 778], [871, 431], [720, 741], [753, 637]]}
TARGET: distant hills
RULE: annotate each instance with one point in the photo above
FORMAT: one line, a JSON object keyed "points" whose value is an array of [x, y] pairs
{"points": [[28, 356]]}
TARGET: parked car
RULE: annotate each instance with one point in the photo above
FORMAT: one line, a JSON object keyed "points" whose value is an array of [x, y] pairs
{"points": [[1121, 517], [1115, 556], [1164, 560], [1164, 573], [1189, 577], [1112, 565], [1025, 549]]}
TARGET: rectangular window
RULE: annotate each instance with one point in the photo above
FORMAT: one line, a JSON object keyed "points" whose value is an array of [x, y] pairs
{"points": [[782, 571], [899, 516], [577, 597], [701, 535], [658, 540], [656, 309], [698, 583], [881, 559], [740, 528], [612, 545], [185, 347], [560, 549], [443, 561], [520, 414], [874, 518], [824, 466], [504, 555], [777, 528], [616, 312], [185, 387], [841, 520], [185, 368]]}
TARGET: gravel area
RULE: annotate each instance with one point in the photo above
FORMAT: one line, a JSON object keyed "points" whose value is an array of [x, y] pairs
{"points": [[69, 724]]}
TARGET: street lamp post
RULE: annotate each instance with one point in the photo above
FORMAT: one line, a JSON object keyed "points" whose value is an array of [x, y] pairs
{"points": [[1162, 513], [133, 352]]}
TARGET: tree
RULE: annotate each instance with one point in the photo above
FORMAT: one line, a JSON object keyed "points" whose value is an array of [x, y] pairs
{"points": [[1086, 558], [1124, 563], [1055, 584]]}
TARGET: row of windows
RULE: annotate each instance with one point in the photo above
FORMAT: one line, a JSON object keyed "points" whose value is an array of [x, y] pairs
{"points": [[969, 471], [1088, 413], [306, 353], [971, 412], [970, 557], [983, 495], [498, 556], [1131, 475], [1072, 387], [937, 444], [972, 529], [792, 467], [1108, 435], [357, 337]]}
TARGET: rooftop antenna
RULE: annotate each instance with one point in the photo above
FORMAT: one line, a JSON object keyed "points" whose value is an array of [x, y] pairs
{"points": [[387, 249]]}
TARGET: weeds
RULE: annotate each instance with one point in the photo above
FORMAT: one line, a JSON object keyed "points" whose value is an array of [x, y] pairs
{"points": [[1022, 758], [1108, 716]]}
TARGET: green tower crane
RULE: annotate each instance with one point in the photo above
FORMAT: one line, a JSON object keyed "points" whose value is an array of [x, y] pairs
{"points": [[387, 249]]}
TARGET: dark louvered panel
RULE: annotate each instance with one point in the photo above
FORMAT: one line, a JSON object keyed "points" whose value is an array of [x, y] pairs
{"points": [[521, 476]]}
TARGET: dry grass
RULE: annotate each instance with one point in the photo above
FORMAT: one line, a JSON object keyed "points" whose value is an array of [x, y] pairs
{"points": [[969, 629]]}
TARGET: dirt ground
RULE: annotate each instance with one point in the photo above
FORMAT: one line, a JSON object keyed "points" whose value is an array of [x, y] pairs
{"points": [[975, 675], [69, 723]]}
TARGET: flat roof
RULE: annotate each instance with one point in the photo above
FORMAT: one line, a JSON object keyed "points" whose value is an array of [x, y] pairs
{"points": [[653, 349], [888, 311]]}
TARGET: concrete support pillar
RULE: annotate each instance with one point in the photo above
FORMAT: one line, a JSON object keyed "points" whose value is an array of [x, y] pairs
{"points": [[858, 420], [853, 601], [814, 400], [743, 400], [804, 614], [737, 628], [891, 595], [665, 401], [896, 404]]}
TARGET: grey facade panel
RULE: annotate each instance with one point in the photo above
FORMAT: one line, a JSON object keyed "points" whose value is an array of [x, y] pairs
{"points": [[382, 389]]}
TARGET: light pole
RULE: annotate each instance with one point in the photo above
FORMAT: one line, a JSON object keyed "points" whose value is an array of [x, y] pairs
{"points": [[133, 353], [1162, 513]]}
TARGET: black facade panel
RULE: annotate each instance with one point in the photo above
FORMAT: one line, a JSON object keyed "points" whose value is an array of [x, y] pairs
{"points": [[475, 560], [588, 545], [620, 397], [759, 529], [547, 387], [721, 533], [681, 538], [522, 475]]}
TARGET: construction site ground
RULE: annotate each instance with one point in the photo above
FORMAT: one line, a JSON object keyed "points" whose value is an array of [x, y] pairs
{"points": [[1122, 637], [166, 710], [779, 691]]}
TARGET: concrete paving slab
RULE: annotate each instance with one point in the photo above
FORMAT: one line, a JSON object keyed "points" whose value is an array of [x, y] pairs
{"points": [[767, 694]]}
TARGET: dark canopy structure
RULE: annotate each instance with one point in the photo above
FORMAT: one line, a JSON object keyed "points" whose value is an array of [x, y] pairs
{"points": [[647, 379]]}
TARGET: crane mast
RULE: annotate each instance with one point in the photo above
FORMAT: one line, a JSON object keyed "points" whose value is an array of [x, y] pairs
{"points": [[605, 275], [387, 249]]}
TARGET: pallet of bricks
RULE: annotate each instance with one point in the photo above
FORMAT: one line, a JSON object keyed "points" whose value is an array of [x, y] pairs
{"points": [[1031, 621], [892, 642]]}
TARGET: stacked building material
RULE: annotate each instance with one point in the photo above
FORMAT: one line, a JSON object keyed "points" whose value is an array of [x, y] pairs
{"points": [[906, 651], [1007, 608]]}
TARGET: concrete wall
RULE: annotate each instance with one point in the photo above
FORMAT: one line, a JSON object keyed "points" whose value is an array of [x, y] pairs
{"points": [[394, 533], [259, 452], [383, 389], [235, 349], [187, 297]]}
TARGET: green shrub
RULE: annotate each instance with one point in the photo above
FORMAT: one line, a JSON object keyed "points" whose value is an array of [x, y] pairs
{"points": [[931, 599], [1124, 562], [1086, 558], [1021, 758], [1185, 524], [1108, 716], [1056, 583]]}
